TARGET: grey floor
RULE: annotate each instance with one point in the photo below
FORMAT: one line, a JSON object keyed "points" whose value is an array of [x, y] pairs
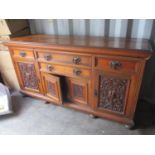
{"points": [[32, 116]]}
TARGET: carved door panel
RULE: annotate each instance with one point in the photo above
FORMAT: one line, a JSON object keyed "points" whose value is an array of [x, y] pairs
{"points": [[52, 87], [79, 91], [28, 76], [111, 92]]}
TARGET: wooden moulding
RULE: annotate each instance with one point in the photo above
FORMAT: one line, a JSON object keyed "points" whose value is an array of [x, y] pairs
{"points": [[115, 64]]}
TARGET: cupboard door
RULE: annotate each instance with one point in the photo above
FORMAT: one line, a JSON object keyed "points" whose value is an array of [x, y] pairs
{"points": [[28, 76], [52, 87], [111, 92], [79, 91]]}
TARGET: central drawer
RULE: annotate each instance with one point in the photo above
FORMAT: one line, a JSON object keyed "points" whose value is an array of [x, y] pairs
{"points": [[73, 59], [65, 70]]}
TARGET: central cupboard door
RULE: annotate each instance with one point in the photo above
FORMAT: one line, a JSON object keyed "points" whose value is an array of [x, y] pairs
{"points": [[52, 87], [79, 91]]}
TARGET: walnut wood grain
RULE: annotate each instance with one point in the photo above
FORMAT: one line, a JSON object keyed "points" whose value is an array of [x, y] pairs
{"points": [[102, 75], [99, 45], [82, 41]]}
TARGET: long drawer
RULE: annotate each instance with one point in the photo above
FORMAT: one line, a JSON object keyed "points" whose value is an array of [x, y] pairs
{"points": [[65, 70], [74, 59]]}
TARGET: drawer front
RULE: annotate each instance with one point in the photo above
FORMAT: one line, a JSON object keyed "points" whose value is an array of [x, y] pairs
{"points": [[23, 53], [65, 58], [65, 70], [115, 64]]}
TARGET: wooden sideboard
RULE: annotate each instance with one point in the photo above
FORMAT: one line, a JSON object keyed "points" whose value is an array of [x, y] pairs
{"points": [[99, 76]]}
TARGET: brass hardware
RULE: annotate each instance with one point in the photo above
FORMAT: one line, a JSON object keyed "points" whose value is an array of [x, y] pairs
{"points": [[115, 64], [95, 92], [77, 72], [76, 60], [22, 54], [50, 67], [48, 57]]}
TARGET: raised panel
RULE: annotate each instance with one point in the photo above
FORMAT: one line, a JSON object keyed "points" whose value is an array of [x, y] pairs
{"points": [[52, 87], [79, 91], [112, 92], [27, 75]]}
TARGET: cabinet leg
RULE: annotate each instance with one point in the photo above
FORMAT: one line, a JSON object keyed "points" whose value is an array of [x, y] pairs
{"points": [[93, 116], [24, 95], [130, 126], [47, 102]]}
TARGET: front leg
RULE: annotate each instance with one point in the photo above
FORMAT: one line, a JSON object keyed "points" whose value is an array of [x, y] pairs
{"points": [[47, 102], [24, 95], [130, 126], [93, 116]]}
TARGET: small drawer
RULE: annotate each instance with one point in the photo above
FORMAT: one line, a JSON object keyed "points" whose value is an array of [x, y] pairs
{"points": [[65, 58], [65, 70], [23, 53], [115, 64]]}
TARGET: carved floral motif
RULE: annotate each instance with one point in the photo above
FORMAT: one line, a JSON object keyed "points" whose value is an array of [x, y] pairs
{"points": [[51, 88], [112, 93], [28, 75], [78, 91]]}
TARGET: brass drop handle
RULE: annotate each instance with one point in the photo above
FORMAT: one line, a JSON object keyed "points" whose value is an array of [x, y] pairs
{"points": [[76, 60], [22, 53], [50, 67], [48, 57], [77, 72], [115, 64]]}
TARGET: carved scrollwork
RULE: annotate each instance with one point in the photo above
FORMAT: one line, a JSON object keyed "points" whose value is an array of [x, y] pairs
{"points": [[28, 75], [51, 88], [78, 91], [112, 93]]}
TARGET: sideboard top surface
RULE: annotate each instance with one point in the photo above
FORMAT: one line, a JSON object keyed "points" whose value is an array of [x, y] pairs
{"points": [[52, 41]]}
